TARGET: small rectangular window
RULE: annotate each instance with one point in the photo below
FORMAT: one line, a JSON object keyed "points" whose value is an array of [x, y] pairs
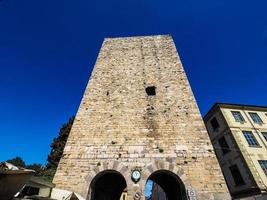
{"points": [[255, 117], [238, 179], [224, 146], [151, 91], [238, 116], [250, 138], [263, 164], [214, 123], [264, 135]]}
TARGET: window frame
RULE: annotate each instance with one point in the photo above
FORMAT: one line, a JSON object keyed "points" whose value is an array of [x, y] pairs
{"points": [[263, 164], [256, 120], [251, 139], [239, 117], [263, 134]]}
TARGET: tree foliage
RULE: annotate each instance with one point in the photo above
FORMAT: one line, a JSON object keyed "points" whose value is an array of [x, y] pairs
{"points": [[38, 168], [17, 161], [57, 146]]}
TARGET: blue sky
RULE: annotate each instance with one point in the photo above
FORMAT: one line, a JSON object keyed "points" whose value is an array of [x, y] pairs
{"points": [[48, 49]]}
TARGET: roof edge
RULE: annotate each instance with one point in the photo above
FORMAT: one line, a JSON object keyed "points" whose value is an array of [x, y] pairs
{"points": [[137, 36], [233, 105]]}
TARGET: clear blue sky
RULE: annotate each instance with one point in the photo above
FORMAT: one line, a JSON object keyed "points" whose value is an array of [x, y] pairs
{"points": [[48, 49]]}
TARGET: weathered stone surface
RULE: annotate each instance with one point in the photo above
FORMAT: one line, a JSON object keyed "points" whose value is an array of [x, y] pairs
{"points": [[119, 124]]}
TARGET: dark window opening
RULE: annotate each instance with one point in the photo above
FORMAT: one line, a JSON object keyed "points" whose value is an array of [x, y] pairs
{"points": [[29, 191], [214, 123], [238, 179], [151, 90], [224, 146]]}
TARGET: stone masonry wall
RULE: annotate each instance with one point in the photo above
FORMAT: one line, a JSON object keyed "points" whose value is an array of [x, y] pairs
{"points": [[118, 126]]}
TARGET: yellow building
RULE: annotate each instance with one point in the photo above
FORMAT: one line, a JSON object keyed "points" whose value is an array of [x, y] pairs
{"points": [[239, 137]]}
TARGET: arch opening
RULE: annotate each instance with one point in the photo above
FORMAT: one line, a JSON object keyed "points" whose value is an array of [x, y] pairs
{"points": [[107, 185], [165, 185]]}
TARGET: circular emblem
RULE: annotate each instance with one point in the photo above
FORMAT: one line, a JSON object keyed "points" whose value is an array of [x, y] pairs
{"points": [[136, 175]]}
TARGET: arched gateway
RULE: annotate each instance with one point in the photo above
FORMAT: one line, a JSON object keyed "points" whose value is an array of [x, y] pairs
{"points": [[107, 185], [138, 118], [167, 186]]}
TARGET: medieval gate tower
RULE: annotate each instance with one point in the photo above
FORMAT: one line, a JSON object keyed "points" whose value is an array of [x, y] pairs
{"points": [[138, 120]]}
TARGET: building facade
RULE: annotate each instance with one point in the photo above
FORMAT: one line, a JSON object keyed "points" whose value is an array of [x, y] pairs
{"points": [[138, 120], [239, 137]]}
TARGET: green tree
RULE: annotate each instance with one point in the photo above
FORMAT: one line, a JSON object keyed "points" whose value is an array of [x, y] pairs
{"points": [[38, 168], [17, 161], [57, 148]]}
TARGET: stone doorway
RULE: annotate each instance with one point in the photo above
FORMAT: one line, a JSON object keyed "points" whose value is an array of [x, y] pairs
{"points": [[165, 185], [107, 185]]}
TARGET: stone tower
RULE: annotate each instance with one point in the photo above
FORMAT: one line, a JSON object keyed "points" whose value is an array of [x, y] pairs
{"points": [[138, 120]]}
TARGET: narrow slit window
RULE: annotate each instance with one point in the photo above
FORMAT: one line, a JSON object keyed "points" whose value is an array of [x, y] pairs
{"points": [[224, 145], [151, 90], [238, 179], [214, 123]]}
